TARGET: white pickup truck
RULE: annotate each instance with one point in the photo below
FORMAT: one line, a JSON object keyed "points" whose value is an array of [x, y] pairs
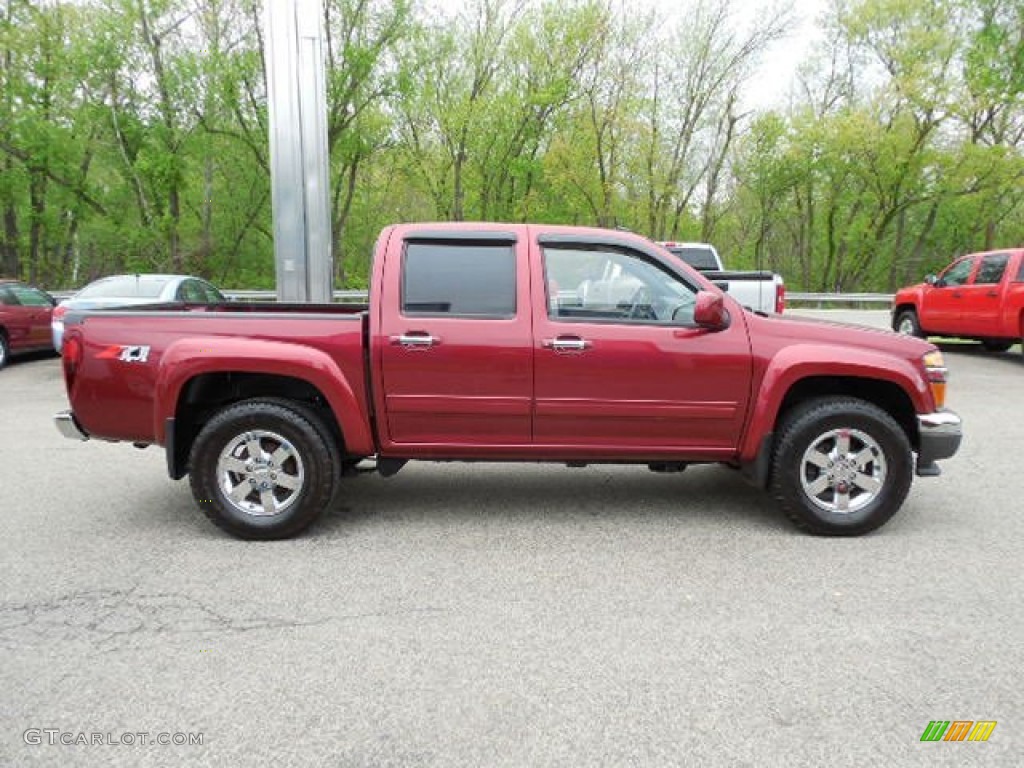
{"points": [[761, 291]]}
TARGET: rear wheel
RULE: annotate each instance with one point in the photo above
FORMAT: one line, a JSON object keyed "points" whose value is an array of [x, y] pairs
{"points": [[906, 322], [261, 469], [841, 466], [996, 345]]}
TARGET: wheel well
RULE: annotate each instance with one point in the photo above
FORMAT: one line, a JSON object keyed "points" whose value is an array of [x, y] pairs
{"points": [[886, 395], [900, 308], [204, 395]]}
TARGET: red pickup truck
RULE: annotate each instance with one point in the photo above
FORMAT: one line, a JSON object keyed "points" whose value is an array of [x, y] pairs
{"points": [[979, 296], [511, 342]]}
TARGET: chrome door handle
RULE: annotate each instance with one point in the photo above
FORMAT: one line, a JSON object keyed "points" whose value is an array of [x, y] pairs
{"points": [[415, 340], [573, 344]]}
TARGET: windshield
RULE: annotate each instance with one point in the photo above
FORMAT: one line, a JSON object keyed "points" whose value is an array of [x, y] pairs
{"points": [[126, 287]]}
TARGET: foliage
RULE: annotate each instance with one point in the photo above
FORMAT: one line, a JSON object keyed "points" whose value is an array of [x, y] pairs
{"points": [[133, 133]]}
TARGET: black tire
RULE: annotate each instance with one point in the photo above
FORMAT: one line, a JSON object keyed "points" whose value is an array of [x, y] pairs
{"points": [[305, 456], [5, 348], [906, 322], [820, 423], [996, 345]]}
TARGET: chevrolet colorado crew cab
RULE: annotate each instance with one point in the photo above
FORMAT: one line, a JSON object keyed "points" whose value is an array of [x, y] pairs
{"points": [[510, 342], [979, 296]]}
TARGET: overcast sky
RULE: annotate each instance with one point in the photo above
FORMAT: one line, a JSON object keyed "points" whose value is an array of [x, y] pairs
{"points": [[778, 70]]}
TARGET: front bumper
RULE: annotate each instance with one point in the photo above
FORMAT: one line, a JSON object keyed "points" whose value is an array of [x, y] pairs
{"points": [[941, 433], [68, 426]]}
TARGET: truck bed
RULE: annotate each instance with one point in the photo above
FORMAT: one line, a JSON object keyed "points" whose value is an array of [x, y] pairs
{"points": [[131, 349]]}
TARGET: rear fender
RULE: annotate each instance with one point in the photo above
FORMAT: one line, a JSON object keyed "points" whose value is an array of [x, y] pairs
{"points": [[187, 358]]}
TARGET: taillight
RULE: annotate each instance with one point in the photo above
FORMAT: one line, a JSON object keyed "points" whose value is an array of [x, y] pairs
{"points": [[72, 359], [59, 311], [780, 299]]}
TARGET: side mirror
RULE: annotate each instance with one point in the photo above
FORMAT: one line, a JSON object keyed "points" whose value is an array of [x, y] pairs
{"points": [[931, 279], [709, 312]]}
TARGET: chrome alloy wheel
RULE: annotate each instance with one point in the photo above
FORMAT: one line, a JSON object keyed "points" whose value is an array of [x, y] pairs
{"points": [[260, 473], [843, 471], [906, 325]]}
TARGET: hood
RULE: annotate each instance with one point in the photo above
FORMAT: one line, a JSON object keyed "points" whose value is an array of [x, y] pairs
{"points": [[786, 330], [908, 291]]}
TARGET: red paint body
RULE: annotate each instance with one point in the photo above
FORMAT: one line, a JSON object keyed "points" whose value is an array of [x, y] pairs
{"points": [[25, 314], [490, 388], [978, 302]]}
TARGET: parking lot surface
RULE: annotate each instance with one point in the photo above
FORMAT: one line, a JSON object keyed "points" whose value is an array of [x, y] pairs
{"points": [[493, 615]]}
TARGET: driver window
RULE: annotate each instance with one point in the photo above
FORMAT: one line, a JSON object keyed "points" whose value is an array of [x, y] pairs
{"points": [[602, 284], [958, 273]]}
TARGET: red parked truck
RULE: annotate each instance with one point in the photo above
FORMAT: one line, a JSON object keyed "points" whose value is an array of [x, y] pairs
{"points": [[511, 342], [979, 296]]}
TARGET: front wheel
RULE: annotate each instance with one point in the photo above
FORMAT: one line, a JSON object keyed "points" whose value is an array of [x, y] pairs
{"points": [[263, 470], [841, 466], [5, 349], [906, 322]]}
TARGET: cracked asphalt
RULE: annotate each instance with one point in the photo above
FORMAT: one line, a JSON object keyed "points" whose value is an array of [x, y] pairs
{"points": [[461, 615]]}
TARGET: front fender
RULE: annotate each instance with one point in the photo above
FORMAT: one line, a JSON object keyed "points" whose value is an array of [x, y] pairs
{"points": [[802, 361], [187, 358]]}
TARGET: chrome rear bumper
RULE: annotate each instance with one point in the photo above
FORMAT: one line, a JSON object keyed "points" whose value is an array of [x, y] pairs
{"points": [[68, 426]]}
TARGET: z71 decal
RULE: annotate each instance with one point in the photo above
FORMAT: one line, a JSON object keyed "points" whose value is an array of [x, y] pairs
{"points": [[126, 354]]}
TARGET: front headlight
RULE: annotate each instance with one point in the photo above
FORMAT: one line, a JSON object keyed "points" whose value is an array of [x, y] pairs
{"points": [[937, 373]]}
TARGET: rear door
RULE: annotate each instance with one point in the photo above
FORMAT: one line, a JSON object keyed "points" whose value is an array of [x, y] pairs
{"points": [[455, 342], [942, 303], [621, 369], [982, 296]]}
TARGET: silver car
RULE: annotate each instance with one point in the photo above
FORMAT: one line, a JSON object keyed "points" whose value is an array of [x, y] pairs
{"points": [[129, 290]]}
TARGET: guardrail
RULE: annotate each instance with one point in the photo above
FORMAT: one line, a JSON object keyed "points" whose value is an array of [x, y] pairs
{"points": [[857, 299], [361, 297]]}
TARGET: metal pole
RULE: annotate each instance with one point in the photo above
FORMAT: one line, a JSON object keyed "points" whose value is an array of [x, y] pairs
{"points": [[299, 170]]}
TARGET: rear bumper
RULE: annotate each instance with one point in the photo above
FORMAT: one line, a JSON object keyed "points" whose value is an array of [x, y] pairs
{"points": [[68, 426], [941, 433]]}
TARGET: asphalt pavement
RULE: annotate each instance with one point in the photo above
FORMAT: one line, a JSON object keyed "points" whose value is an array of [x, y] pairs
{"points": [[507, 615]]}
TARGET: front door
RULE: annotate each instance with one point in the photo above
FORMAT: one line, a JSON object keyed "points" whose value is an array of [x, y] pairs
{"points": [[942, 303], [455, 348], [621, 368]]}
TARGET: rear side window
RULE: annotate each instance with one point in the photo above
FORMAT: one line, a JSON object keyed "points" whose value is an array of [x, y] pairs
{"points": [[702, 259], [992, 268], [1020, 272], [459, 279], [191, 292], [30, 297]]}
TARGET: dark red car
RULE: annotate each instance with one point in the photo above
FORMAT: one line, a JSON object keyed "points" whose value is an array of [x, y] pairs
{"points": [[25, 314]]}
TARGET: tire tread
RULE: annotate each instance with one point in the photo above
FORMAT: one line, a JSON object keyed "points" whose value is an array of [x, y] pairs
{"points": [[318, 496], [803, 417]]}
